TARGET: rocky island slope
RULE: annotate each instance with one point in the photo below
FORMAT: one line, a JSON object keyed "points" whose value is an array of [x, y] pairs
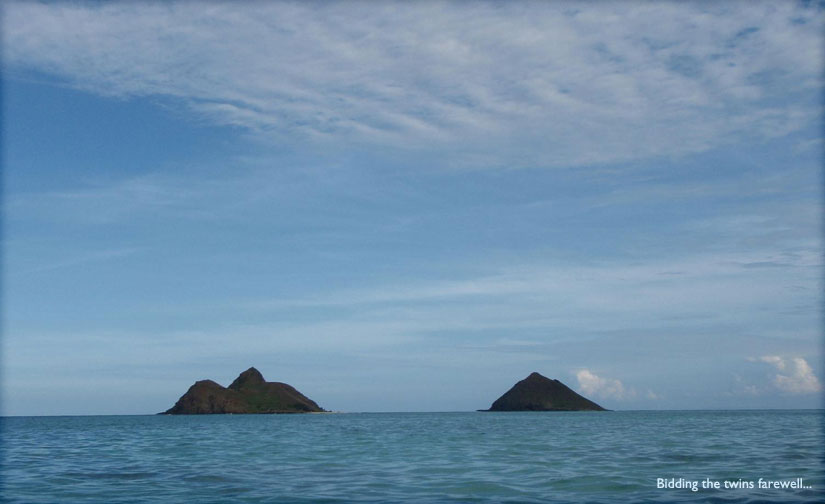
{"points": [[249, 393], [539, 393]]}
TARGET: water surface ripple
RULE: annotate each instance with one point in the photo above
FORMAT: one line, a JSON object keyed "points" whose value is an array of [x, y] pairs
{"points": [[412, 457]]}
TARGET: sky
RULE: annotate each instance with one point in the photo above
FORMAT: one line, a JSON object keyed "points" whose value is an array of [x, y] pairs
{"points": [[412, 206]]}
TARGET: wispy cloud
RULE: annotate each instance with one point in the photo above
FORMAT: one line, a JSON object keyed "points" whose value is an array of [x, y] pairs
{"points": [[522, 83], [75, 260], [718, 286]]}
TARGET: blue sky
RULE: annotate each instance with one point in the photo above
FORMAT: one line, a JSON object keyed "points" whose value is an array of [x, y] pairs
{"points": [[409, 208]]}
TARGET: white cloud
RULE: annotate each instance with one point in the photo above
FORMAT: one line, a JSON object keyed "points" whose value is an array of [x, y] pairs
{"points": [[795, 377], [529, 83], [607, 388], [774, 360]]}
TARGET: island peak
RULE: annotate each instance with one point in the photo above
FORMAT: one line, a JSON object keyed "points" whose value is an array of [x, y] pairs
{"points": [[249, 393], [539, 393], [249, 377]]}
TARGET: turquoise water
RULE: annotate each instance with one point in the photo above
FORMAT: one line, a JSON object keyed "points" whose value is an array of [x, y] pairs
{"points": [[412, 457]]}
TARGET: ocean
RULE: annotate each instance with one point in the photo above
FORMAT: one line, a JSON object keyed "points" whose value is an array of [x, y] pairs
{"points": [[616, 456]]}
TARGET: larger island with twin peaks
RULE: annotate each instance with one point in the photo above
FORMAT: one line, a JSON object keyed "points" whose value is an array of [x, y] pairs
{"points": [[249, 393]]}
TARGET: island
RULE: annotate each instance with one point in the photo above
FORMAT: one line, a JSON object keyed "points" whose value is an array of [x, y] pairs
{"points": [[539, 393], [249, 393]]}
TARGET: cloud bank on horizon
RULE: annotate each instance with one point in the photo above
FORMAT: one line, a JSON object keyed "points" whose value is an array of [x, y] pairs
{"points": [[626, 196], [795, 375]]}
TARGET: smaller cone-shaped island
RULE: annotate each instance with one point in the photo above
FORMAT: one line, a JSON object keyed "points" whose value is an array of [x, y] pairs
{"points": [[539, 393], [249, 393]]}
